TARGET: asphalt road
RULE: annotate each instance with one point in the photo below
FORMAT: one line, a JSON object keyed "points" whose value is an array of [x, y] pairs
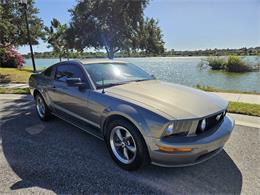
{"points": [[55, 157]]}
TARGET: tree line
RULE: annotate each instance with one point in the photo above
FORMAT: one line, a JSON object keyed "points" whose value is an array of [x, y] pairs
{"points": [[110, 25], [170, 53]]}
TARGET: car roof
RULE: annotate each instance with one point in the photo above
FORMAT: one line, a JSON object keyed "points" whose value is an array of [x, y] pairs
{"points": [[100, 61]]}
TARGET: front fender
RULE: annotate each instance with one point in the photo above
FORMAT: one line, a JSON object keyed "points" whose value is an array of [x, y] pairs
{"points": [[148, 123]]}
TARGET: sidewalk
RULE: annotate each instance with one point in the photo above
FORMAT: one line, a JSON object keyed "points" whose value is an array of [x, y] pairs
{"points": [[14, 85]]}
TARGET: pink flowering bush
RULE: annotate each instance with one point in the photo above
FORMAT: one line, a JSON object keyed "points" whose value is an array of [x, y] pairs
{"points": [[9, 57]]}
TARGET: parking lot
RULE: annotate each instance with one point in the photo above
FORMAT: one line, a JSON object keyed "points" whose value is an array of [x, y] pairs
{"points": [[55, 157]]}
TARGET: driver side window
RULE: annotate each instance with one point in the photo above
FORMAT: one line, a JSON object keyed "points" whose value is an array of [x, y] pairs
{"points": [[68, 71]]}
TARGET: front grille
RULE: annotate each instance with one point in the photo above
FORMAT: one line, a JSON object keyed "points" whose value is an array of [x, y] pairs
{"points": [[211, 122]]}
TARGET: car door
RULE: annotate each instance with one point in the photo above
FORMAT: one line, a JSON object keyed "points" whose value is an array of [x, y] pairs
{"points": [[69, 101]]}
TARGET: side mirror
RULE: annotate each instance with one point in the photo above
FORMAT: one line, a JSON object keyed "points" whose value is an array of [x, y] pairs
{"points": [[75, 82]]}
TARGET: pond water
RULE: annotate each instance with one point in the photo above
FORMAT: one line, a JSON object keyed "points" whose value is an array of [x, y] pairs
{"points": [[185, 70]]}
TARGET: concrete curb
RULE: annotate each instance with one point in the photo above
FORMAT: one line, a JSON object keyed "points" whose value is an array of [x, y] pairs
{"points": [[245, 120]]}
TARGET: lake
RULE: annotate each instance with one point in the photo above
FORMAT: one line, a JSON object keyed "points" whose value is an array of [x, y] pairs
{"points": [[185, 70]]}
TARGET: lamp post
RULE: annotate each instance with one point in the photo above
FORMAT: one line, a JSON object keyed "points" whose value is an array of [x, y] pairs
{"points": [[24, 4]]}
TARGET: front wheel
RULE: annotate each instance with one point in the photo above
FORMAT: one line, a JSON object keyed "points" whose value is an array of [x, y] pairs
{"points": [[42, 109], [126, 145]]}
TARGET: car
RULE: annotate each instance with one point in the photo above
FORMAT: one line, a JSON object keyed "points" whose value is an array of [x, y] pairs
{"points": [[141, 119]]}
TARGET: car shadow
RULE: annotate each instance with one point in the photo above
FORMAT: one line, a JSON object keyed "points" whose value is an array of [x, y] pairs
{"points": [[59, 157]]}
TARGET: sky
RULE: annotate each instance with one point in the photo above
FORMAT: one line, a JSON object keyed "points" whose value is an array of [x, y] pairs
{"points": [[185, 24]]}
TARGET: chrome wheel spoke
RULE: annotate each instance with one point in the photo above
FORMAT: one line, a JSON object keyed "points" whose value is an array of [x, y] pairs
{"points": [[118, 144], [131, 148], [127, 135], [119, 135], [126, 154]]}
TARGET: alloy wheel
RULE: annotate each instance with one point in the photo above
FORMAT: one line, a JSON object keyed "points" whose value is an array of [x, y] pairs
{"points": [[123, 144], [40, 106]]}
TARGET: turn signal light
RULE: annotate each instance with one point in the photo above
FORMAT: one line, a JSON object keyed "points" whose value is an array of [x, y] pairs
{"points": [[172, 149]]}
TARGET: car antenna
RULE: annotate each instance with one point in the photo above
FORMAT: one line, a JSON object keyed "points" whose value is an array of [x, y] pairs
{"points": [[103, 88]]}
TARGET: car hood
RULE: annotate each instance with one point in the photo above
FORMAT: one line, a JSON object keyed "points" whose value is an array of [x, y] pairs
{"points": [[177, 101]]}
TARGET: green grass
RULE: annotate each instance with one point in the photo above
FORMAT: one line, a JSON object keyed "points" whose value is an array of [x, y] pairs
{"points": [[213, 89], [14, 75], [244, 108], [14, 90]]}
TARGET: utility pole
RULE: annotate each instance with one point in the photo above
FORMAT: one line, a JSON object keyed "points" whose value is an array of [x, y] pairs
{"points": [[24, 4]]}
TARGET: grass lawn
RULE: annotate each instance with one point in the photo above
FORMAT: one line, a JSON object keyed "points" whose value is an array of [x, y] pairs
{"points": [[244, 108], [14, 75], [14, 90], [213, 89]]}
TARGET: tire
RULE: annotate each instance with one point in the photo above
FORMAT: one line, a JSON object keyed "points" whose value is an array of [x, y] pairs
{"points": [[42, 109], [131, 140]]}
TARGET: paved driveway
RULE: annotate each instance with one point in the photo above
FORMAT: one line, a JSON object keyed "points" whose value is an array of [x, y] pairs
{"points": [[55, 157]]}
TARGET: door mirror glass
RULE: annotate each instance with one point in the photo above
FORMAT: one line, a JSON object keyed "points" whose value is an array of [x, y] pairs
{"points": [[73, 81], [76, 82]]}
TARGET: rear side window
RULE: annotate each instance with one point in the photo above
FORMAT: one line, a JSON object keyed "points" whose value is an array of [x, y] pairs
{"points": [[68, 71], [48, 72]]}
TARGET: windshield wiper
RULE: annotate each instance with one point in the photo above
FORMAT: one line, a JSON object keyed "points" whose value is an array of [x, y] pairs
{"points": [[111, 84]]}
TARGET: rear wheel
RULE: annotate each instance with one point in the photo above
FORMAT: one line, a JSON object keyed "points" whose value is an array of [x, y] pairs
{"points": [[126, 145], [42, 109]]}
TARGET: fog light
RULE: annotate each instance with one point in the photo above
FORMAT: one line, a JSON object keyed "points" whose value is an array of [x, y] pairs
{"points": [[172, 149], [203, 124]]}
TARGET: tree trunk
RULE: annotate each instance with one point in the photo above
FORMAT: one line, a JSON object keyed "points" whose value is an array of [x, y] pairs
{"points": [[110, 53], [60, 58]]}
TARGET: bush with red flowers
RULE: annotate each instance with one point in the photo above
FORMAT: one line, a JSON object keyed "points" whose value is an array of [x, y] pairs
{"points": [[9, 57]]}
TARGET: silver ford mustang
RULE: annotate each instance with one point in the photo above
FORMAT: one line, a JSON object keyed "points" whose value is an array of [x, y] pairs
{"points": [[142, 120]]}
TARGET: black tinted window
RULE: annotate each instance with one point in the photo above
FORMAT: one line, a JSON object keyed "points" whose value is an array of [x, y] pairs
{"points": [[48, 72], [68, 71]]}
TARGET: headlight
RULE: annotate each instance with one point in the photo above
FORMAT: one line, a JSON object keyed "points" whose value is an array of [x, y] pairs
{"points": [[203, 125], [169, 130]]}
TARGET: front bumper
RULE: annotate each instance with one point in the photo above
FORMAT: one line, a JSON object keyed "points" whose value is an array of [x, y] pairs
{"points": [[203, 146]]}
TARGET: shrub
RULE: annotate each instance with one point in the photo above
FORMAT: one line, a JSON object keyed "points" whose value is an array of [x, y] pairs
{"points": [[230, 64], [235, 64], [9, 57], [216, 63]]}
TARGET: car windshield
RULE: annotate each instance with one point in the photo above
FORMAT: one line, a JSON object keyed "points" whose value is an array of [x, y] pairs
{"points": [[111, 74]]}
